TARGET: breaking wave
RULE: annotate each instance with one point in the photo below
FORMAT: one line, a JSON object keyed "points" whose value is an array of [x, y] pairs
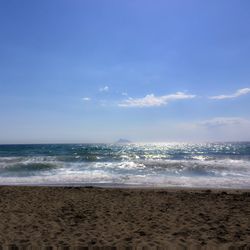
{"points": [[192, 165]]}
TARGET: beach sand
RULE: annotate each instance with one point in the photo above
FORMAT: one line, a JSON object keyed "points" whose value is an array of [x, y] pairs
{"points": [[81, 218]]}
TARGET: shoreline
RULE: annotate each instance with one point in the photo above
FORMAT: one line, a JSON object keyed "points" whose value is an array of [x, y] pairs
{"points": [[99, 217], [126, 186]]}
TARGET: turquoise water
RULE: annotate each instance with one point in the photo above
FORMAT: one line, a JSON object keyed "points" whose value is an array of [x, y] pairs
{"points": [[165, 165]]}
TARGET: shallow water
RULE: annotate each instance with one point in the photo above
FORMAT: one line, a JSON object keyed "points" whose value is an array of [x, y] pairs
{"points": [[218, 165]]}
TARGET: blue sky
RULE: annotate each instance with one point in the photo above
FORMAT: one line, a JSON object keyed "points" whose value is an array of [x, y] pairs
{"points": [[95, 71]]}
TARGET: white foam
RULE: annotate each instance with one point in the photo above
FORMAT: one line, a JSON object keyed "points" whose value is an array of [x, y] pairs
{"points": [[161, 172], [141, 180]]}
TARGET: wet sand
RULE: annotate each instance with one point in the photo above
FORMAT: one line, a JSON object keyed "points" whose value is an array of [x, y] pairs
{"points": [[87, 217]]}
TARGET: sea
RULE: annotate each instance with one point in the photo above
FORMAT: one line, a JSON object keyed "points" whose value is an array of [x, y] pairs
{"points": [[203, 165]]}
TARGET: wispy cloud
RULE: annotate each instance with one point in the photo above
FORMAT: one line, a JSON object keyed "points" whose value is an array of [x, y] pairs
{"points": [[238, 93], [223, 121], [104, 89], [86, 99], [154, 101], [124, 93]]}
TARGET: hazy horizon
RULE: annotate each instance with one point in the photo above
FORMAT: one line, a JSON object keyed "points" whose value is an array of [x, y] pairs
{"points": [[96, 71], [115, 142]]}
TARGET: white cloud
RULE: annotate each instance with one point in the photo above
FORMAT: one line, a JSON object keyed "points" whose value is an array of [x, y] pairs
{"points": [[223, 121], [238, 93], [104, 89], [86, 99], [154, 101], [124, 93], [223, 129]]}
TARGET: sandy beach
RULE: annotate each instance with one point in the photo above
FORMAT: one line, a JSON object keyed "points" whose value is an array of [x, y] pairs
{"points": [[80, 217]]}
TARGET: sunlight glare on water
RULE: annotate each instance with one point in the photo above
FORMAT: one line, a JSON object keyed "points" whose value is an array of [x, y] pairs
{"points": [[149, 164]]}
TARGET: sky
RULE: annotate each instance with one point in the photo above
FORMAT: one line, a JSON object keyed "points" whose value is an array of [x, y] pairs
{"points": [[149, 71]]}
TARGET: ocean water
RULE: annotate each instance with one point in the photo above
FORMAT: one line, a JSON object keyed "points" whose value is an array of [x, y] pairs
{"points": [[211, 165]]}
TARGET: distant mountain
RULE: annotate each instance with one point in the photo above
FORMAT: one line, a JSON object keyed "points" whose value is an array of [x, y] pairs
{"points": [[123, 141]]}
